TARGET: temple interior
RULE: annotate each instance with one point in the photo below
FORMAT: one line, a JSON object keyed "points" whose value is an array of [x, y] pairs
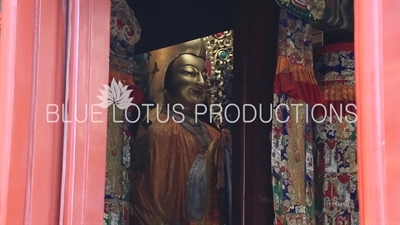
{"points": [[304, 160]]}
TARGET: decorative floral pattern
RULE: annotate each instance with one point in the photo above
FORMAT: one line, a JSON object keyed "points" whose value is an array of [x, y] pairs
{"points": [[219, 50], [125, 33], [292, 136], [292, 162], [336, 173], [336, 166], [295, 39], [128, 69], [114, 146], [116, 212], [124, 24], [119, 144], [335, 68]]}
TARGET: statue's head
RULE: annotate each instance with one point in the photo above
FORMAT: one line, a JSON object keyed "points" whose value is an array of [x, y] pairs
{"points": [[179, 74], [185, 80]]}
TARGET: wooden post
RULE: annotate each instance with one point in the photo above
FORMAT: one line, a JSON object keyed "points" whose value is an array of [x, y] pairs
{"points": [[82, 199], [377, 63], [32, 77], [255, 45]]}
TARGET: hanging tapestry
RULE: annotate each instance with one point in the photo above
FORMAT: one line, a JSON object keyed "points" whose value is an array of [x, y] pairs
{"points": [[123, 23], [295, 92], [125, 33], [310, 10], [335, 135], [119, 142], [219, 51]]}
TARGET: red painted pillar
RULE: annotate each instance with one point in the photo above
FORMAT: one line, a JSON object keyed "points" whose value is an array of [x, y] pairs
{"points": [[84, 162], [32, 75], [377, 53], [52, 172]]}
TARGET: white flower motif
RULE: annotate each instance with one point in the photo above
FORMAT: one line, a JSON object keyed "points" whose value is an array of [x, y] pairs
{"points": [[115, 94]]}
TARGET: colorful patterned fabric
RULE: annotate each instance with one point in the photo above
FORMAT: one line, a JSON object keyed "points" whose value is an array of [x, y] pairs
{"points": [[295, 73], [295, 91], [123, 23], [336, 167], [116, 212], [114, 146], [292, 163], [125, 33], [219, 52], [119, 143]]}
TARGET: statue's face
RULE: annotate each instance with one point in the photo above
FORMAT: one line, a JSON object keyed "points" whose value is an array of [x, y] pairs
{"points": [[188, 81]]}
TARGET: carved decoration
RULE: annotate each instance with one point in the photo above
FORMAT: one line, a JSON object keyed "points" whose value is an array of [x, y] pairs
{"points": [[219, 52], [339, 16], [346, 13], [311, 10]]}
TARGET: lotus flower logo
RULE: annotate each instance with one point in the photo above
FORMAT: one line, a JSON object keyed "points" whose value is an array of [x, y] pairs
{"points": [[116, 94]]}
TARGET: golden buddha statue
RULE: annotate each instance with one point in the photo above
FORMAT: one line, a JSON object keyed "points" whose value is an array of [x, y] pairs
{"points": [[180, 168]]}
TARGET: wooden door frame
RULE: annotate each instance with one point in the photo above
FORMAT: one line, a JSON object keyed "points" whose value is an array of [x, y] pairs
{"points": [[377, 52], [32, 72], [255, 65], [84, 162]]}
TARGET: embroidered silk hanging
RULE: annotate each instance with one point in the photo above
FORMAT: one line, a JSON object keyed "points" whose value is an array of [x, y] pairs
{"points": [[295, 91], [336, 164], [125, 33], [219, 51]]}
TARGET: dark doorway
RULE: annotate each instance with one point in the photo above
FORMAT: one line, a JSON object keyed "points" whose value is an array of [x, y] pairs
{"points": [[255, 25]]}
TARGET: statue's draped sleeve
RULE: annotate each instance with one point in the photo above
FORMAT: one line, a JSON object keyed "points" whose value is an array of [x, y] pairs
{"points": [[218, 180]]}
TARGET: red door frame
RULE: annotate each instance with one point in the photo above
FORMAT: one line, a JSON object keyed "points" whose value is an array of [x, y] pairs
{"points": [[377, 52], [33, 67], [32, 71], [82, 199], [32, 76]]}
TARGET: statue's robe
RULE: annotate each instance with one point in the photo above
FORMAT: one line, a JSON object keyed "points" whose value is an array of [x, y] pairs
{"points": [[160, 192]]}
